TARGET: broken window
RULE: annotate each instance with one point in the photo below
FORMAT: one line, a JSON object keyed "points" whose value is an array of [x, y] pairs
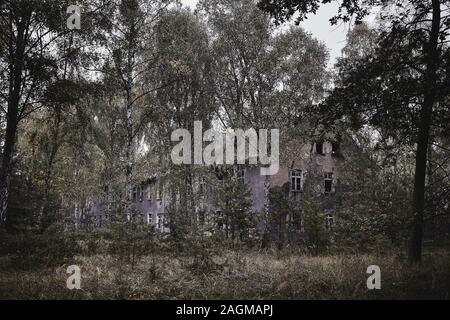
{"points": [[296, 180], [319, 148], [328, 183]]}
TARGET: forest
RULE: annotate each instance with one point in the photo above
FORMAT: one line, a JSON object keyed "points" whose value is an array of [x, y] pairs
{"points": [[93, 92]]}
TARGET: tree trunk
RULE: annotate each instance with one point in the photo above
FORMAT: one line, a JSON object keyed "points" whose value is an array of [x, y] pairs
{"points": [[10, 139], [16, 58], [129, 154], [432, 58], [265, 240]]}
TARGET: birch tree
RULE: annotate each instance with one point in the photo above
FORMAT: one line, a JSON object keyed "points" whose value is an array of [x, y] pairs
{"points": [[127, 36]]}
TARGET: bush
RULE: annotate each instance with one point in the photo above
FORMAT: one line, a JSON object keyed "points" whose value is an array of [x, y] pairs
{"points": [[30, 250]]}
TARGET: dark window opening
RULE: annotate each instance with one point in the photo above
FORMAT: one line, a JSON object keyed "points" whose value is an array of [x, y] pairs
{"points": [[328, 183], [328, 186], [319, 148], [335, 149]]}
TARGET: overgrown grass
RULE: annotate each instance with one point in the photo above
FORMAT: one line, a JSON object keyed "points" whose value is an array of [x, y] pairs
{"points": [[235, 275]]}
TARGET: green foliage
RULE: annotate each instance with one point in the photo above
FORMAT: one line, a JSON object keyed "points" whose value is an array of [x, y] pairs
{"points": [[316, 236], [79, 142], [284, 10], [130, 239], [234, 201], [284, 216], [252, 60], [56, 246]]}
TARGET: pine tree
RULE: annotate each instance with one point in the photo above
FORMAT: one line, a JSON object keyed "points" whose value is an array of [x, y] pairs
{"points": [[234, 201]]}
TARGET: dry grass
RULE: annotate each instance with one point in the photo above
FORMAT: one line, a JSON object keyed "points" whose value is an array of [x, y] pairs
{"points": [[236, 275]]}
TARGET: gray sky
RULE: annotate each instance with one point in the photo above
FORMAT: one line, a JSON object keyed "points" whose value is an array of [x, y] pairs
{"points": [[319, 26]]}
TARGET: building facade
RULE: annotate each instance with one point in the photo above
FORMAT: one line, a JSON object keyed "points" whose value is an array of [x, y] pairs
{"points": [[319, 161]]}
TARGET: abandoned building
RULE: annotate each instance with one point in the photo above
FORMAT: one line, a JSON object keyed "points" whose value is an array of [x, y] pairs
{"points": [[321, 160]]}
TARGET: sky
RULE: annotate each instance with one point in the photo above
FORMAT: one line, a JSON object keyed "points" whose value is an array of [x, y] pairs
{"points": [[319, 26]]}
